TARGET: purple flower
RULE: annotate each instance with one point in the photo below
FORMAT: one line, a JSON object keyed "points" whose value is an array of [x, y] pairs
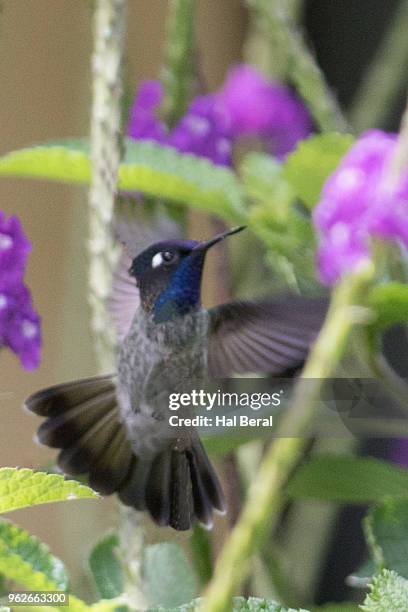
{"points": [[358, 203], [258, 107], [247, 105], [204, 131], [143, 123], [14, 247], [399, 451], [19, 323]]}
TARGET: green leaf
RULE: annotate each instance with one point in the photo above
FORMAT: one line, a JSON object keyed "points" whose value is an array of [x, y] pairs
{"points": [[221, 443], [168, 578], [278, 221], [28, 562], [106, 567], [308, 167], [348, 479], [337, 607], [263, 179], [390, 304], [389, 593], [148, 167], [386, 528], [24, 487], [239, 604], [66, 161]]}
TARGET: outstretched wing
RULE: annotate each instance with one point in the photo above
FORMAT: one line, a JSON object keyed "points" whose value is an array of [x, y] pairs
{"points": [[269, 337]]}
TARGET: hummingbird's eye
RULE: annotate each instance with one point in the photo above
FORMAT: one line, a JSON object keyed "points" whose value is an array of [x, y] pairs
{"points": [[168, 256], [163, 257]]}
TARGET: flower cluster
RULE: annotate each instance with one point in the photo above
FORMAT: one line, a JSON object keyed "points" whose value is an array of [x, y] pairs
{"points": [[246, 106], [359, 202], [19, 323]]}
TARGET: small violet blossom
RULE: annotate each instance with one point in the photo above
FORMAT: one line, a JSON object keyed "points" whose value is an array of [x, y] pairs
{"points": [[19, 323], [258, 107], [247, 105], [358, 202]]}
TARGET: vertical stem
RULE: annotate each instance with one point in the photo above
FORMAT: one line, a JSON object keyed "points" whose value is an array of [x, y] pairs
{"points": [[382, 80], [131, 543], [305, 73], [265, 496], [109, 33], [109, 30], [178, 71], [399, 161]]}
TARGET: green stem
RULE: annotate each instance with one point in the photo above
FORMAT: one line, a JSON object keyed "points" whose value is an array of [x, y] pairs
{"points": [[109, 34], [399, 161], [109, 30], [131, 546], [273, 16], [178, 71], [382, 80], [265, 497], [200, 545]]}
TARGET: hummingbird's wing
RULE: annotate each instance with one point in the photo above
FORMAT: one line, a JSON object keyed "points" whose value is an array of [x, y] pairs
{"points": [[82, 420], [268, 337], [124, 298]]}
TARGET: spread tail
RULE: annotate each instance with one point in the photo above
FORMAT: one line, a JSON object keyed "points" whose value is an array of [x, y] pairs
{"points": [[176, 487]]}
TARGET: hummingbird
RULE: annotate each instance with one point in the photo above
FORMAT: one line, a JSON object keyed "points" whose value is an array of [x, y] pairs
{"points": [[113, 428]]}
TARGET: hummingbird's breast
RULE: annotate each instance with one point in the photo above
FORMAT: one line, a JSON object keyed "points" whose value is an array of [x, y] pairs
{"points": [[155, 361]]}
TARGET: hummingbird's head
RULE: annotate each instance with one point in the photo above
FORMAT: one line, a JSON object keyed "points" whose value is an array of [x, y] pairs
{"points": [[168, 275]]}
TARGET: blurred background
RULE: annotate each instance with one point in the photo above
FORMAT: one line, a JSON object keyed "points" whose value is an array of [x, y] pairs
{"points": [[45, 94]]}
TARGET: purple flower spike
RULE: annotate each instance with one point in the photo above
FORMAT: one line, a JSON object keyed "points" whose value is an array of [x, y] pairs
{"points": [[143, 123], [258, 107], [358, 203], [247, 105], [19, 323]]}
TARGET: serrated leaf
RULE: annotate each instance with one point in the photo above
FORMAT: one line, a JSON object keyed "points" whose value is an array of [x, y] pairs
{"points": [[163, 172], [106, 568], [386, 527], [255, 604], [147, 167], [239, 604], [308, 167], [390, 304], [66, 161], [24, 487], [28, 562], [389, 593], [263, 178], [168, 578], [348, 479]]}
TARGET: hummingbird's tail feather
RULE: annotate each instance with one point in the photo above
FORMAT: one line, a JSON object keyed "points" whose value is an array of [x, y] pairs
{"points": [[207, 490], [176, 486], [181, 501]]}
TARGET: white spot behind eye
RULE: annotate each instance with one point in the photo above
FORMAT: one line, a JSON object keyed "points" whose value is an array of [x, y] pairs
{"points": [[157, 260]]}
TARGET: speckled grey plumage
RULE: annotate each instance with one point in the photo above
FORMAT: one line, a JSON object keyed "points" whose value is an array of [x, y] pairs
{"points": [[154, 361]]}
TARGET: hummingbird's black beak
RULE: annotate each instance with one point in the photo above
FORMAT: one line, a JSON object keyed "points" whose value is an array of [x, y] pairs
{"points": [[204, 246]]}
